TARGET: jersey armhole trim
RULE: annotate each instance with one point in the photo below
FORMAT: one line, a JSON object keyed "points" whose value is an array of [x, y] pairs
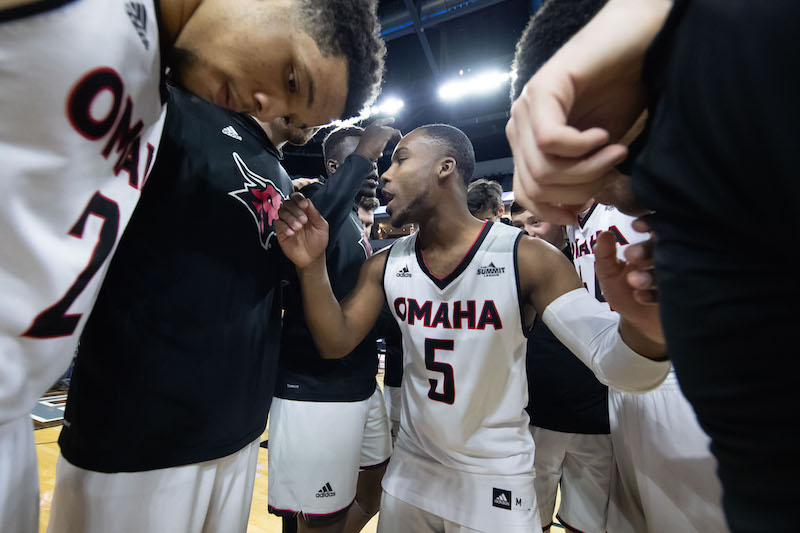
{"points": [[31, 9], [383, 275], [525, 331]]}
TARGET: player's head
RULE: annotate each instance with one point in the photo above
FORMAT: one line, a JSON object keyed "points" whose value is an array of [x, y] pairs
{"points": [[366, 213], [533, 226], [485, 199], [312, 61], [339, 144], [280, 132], [553, 25], [430, 165]]}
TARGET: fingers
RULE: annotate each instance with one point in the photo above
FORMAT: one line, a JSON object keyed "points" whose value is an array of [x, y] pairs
{"points": [[314, 217], [291, 215], [383, 121], [607, 265], [557, 164]]}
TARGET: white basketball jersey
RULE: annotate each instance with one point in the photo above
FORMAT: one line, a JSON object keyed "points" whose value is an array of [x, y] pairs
{"points": [[464, 382], [582, 237], [80, 121]]}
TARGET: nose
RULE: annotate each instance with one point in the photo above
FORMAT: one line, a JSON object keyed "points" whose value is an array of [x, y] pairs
{"points": [[268, 108]]}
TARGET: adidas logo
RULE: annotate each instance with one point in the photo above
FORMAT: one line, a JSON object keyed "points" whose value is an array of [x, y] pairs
{"points": [[501, 498], [326, 491], [230, 132], [491, 270], [138, 15], [404, 272]]}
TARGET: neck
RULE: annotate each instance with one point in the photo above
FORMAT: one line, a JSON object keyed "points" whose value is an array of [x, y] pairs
{"points": [[174, 14], [449, 225], [275, 137]]}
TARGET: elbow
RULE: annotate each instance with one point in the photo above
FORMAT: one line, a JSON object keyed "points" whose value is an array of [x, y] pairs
{"points": [[332, 351]]}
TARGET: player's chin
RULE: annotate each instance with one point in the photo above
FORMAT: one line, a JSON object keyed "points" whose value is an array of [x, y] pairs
{"points": [[368, 190], [398, 219]]}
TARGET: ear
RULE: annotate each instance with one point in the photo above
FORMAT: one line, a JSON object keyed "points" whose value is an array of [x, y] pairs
{"points": [[502, 210], [331, 165], [447, 168]]}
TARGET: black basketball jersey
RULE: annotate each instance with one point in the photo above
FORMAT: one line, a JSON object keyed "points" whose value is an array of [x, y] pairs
{"points": [[304, 374], [563, 393], [178, 360]]}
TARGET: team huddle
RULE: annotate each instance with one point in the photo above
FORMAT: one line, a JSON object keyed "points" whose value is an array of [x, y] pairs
{"points": [[174, 251]]}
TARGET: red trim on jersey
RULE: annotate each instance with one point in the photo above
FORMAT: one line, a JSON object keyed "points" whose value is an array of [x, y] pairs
{"points": [[565, 524], [471, 246]]}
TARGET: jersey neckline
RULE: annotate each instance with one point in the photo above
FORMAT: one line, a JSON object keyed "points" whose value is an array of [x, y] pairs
{"points": [[442, 283]]}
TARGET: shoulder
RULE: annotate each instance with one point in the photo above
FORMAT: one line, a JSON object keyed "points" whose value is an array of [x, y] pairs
{"points": [[539, 262]]}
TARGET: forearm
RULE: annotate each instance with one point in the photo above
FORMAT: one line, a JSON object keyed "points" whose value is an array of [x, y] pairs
{"points": [[608, 346], [323, 313]]}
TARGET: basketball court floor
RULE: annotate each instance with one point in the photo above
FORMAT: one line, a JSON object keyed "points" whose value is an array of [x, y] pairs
{"points": [[260, 521]]}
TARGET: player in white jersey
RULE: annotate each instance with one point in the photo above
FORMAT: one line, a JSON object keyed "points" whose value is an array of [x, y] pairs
{"points": [[80, 122], [464, 293], [664, 478]]}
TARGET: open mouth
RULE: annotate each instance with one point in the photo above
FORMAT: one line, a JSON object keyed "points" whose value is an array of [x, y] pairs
{"points": [[387, 196]]}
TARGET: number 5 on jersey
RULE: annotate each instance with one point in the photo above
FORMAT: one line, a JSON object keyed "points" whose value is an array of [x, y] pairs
{"points": [[449, 385]]}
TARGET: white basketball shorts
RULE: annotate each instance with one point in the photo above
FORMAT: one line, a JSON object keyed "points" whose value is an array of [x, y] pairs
{"points": [[665, 477], [316, 450], [205, 497], [19, 477], [582, 464]]}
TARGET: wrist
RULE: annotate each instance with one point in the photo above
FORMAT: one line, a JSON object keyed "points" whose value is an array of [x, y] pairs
{"points": [[313, 268], [640, 343]]}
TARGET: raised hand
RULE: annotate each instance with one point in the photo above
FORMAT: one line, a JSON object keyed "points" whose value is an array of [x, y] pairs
{"points": [[375, 138], [301, 231], [588, 95], [641, 276], [612, 274]]}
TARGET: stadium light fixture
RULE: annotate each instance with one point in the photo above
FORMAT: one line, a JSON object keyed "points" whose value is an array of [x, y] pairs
{"points": [[390, 106], [481, 83]]}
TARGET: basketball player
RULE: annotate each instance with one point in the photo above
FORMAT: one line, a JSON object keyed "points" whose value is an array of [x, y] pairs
{"points": [[664, 475], [82, 118], [464, 458], [366, 213], [176, 367], [329, 435], [568, 408], [485, 200]]}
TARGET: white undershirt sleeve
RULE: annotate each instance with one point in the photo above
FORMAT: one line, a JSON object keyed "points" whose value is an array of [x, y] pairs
{"points": [[591, 332]]}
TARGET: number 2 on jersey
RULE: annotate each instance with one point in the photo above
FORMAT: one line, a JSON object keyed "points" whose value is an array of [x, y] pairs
{"points": [[449, 385], [54, 321]]}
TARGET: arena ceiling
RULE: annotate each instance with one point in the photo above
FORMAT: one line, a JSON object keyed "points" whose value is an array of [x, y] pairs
{"points": [[431, 43]]}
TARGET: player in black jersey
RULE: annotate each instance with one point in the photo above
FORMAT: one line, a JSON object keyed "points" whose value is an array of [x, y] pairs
{"points": [[328, 418], [717, 79], [177, 364], [82, 115]]}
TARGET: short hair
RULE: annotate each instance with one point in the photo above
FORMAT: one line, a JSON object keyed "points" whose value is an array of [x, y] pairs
{"points": [[482, 195], [453, 143], [548, 30], [368, 203], [516, 208], [331, 146], [349, 28]]}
